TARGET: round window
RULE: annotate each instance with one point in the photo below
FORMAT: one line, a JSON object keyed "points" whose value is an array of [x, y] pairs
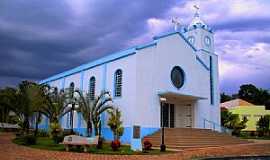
{"points": [[177, 77]]}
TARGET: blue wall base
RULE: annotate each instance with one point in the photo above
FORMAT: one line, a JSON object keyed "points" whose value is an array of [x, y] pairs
{"points": [[126, 138], [136, 144]]}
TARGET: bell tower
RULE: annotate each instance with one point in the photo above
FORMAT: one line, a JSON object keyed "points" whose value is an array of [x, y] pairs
{"points": [[199, 34]]}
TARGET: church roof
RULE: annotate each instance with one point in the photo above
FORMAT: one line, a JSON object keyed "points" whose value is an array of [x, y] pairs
{"points": [[119, 55]]}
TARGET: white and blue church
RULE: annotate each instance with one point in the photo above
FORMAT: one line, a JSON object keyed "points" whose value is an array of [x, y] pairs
{"points": [[179, 69]]}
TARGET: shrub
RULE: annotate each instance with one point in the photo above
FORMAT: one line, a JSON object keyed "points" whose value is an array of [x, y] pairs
{"points": [[27, 140], [100, 143], [42, 133], [58, 138], [232, 121], [115, 145], [147, 145], [115, 123], [263, 125], [56, 132]]}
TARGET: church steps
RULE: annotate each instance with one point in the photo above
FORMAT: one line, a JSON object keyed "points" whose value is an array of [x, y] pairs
{"points": [[182, 138]]}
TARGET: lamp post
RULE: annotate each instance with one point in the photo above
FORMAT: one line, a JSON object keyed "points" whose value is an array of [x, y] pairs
{"points": [[162, 145], [71, 117]]}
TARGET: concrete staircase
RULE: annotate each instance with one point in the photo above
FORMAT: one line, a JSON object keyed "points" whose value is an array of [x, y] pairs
{"points": [[183, 138]]}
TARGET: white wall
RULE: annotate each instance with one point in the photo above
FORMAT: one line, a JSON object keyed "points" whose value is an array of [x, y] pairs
{"points": [[147, 73], [127, 102], [154, 67]]}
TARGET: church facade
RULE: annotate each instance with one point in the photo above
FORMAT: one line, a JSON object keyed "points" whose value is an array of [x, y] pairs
{"points": [[179, 69]]}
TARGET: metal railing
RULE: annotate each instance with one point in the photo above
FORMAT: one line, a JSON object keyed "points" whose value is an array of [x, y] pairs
{"points": [[207, 124]]}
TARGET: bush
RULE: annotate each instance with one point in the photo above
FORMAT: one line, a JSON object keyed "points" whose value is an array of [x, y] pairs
{"points": [[147, 145], [115, 145], [263, 126], [56, 132], [27, 140], [42, 133], [58, 138], [100, 143]]}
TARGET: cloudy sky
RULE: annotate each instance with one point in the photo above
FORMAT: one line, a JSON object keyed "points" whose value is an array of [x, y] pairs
{"points": [[42, 38]]}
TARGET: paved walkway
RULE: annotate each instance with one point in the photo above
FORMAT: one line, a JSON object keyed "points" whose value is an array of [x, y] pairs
{"points": [[10, 151]]}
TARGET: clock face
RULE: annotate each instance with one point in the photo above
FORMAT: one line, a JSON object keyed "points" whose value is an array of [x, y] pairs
{"points": [[191, 39], [177, 77], [207, 41]]}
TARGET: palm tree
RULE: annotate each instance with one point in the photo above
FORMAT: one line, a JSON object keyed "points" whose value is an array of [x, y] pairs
{"points": [[115, 123], [56, 105], [38, 100], [92, 109], [20, 102]]}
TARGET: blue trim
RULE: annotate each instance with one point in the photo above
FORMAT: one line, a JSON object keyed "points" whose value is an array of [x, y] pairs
{"points": [[104, 77], [79, 115], [68, 120], [93, 64], [148, 131], [104, 87], [81, 81], [136, 144], [203, 64], [210, 30], [128, 131], [206, 51], [211, 81], [114, 57], [79, 119], [125, 138], [150, 44], [81, 131]]}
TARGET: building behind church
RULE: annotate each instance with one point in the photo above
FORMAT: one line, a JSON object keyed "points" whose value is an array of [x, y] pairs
{"points": [[180, 66]]}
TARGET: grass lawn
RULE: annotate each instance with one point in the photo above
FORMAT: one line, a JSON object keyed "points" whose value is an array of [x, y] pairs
{"points": [[252, 137], [47, 144]]}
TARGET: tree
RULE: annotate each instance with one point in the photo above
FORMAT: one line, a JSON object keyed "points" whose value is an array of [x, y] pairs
{"points": [[38, 100], [56, 105], [115, 123], [224, 97], [92, 109], [253, 95], [267, 105], [20, 102], [5, 107], [263, 125], [232, 121]]}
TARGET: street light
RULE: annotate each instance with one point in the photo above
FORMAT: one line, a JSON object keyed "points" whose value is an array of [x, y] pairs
{"points": [[162, 146]]}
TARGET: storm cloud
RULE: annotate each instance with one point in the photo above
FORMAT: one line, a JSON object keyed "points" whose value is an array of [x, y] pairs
{"points": [[42, 38]]}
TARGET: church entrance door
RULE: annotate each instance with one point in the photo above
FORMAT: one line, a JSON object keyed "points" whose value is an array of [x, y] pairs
{"points": [[168, 115], [184, 116]]}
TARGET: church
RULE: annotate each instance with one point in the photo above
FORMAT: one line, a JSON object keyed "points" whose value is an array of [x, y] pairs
{"points": [[177, 70]]}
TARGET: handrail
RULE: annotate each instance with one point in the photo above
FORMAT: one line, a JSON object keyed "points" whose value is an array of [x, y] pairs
{"points": [[216, 127]]}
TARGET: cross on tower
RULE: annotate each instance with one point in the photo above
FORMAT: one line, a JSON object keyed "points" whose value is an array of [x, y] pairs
{"points": [[176, 23], [197, 8]]}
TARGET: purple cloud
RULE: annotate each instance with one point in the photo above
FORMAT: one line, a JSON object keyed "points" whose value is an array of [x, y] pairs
{"points": [[39, 39]]}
